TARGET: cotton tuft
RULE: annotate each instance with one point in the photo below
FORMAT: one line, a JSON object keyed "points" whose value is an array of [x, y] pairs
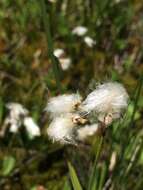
{"points": [[89, 41], [79, 30], [65, 63], [61, 129], [86, 131], [14, 127], [18, 116], [31, 127], [110, 97], [16, 111], [59, 52], [62, 104]]}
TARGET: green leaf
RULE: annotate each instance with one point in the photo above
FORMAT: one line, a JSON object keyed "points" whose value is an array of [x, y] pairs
{"points": [[141, 158], [102, 176], [8, 165], [137, 114], [75, 181], [67, 186], [93, 172]]}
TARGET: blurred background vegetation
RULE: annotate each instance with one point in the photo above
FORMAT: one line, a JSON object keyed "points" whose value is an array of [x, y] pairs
{"points": [[27, 77]]}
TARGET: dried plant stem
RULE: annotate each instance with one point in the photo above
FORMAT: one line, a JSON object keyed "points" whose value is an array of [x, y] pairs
{"points": [[46, 23]]}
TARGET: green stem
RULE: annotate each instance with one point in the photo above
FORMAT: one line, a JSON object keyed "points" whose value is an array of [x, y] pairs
{"points": [[136, 100], [46, 23], [133, 158], [95, 163]]}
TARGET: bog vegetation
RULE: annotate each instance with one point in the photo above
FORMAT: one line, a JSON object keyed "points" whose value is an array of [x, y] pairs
{"points": [[53, 47]]}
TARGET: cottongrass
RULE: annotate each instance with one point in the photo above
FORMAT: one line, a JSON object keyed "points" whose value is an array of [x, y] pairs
{"points": [[87, 131], [62, 104], [61, 129], [107, 101], [89, 41], [16, 113], [18, 116], [69, 114], [16, 109], [59, 52], [65, 62], [31, 127], [79, 30], [108, 98]]}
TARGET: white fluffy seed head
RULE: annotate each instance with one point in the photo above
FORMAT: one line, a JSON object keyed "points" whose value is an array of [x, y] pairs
{"points": [[16, 110], [62, 104], [14, 123], [110, 97], [61, 129], [65, 63], [14, 127], [86, 131], [31, 127], [80, 30], [59, 52], [14, 119], [89, 41]]}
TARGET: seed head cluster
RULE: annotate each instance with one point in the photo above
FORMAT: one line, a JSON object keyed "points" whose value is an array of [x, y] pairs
{"points": [[19, 116], [72, 117], [70, 114]]}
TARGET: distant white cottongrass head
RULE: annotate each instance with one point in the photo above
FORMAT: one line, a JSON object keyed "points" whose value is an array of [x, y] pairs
{"points": [[61, 129], [88, 130], [59, 52], [79, 30], [110, 97], [16, 109], [14, 128], [31, 127], [18, 116], [89, 41], [62, 104], [65, 63]]}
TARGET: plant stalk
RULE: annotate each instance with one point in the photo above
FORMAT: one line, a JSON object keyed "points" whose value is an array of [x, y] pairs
{"points": [[46, 23]]}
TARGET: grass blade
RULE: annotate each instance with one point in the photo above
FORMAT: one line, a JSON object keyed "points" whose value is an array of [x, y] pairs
{"points": [[8, 165], [95, 164], [67, 185], [75, 181], [102, 176]]}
